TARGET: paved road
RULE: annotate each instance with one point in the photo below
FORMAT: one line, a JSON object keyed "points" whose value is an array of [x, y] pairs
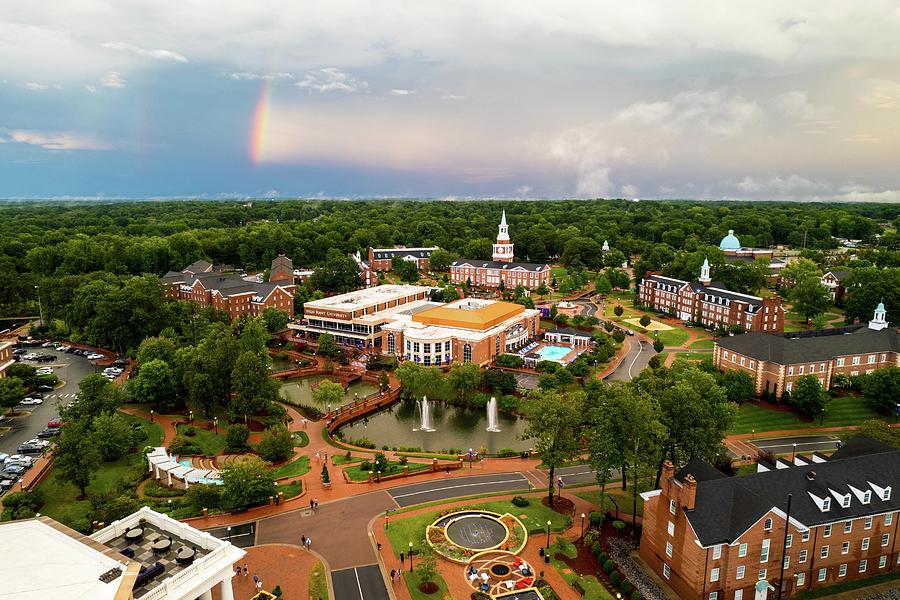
{"points": [[68, 367], [636, 358], [417, 493], [577, 475], [805, 443], [359, 583], [242, 536]]}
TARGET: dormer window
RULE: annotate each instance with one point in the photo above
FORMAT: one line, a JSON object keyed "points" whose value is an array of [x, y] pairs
{"points": [[886, 493], [845, 502], [867, 497], [826, 505]]}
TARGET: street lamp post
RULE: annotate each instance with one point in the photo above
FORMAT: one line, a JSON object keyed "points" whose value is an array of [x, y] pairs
{"points": [[582, 525], [794, 454], [216, 424], [548, 536], [470, 458], [229, 534], [151, 415], [896, 412], [191, 414], [822, 417], [410, 558]]}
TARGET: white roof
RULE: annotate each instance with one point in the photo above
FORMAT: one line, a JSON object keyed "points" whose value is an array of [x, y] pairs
{"points": [[420, 331], [367, 297], [41, 562]]}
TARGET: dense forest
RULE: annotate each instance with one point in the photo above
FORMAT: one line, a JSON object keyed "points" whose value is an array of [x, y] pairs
{"points": [[83, 256]]}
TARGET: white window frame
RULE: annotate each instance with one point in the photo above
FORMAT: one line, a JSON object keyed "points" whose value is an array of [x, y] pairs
{"points": [[739, 574], [669, 549], [827, 531], [714, 574], [673, 507], [767, 525], [882, 561], [888, 519], [789, 540], [842, 570], [845, 547], [802, 558], [671, 528], [848, 526], [717, 552], [867, 524], [742, 550], [863, 565], [667, 571], [823, 573], [823, 554], [761, 575], [864, 545], [885, 539], [764, 551]]}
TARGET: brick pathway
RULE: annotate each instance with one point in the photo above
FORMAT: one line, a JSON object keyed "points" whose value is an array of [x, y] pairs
{"points": [[284, 565]]}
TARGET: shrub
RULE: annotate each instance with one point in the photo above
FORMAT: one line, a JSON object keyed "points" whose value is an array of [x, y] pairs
{"points": [[602, 558], [510, 360], [596, 518], [615, 579], [655, 362], [184, 445], [402, 460], [637, 595], [326, 477], [507, 453], [608, 566], [204, 496], [365, 466], [520, 501], [619, 525], [277, 445], [190, 431], [596, 549], [590, 536], [547, 366], [276, 591], [618, 310], [236, 438], [645, 320], [626, 587]]}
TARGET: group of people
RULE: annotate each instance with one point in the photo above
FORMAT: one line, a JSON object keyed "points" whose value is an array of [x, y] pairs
{"points": [[245, 572], [305, 542]]}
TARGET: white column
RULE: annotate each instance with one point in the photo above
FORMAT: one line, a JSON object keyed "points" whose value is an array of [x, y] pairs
{"points": [[225, 590], [207, 595]]}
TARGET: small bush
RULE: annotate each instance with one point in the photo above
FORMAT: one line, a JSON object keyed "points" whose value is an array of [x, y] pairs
{"points": [[365, 466], [236, 438], [608, 567], [184, 445], [619, 525], [402, 460], [507, 453], [190, 431], [590, 536], [596, 518], [596, 549], [602, 558], [626, 587], [520, 501], [637, 595], [615, 579]]}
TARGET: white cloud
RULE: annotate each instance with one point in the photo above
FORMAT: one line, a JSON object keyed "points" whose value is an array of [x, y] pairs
{"points": [[40, 87], [523, 190], [881, 93], [796, 105], [331, 79], [781, 186], [157, 54], [112, 80], [629, 191], [862, 138], [59, 140], [90, 88], [590, 157], [453, 97], [245, 76], [401, 92], [714, 112]]}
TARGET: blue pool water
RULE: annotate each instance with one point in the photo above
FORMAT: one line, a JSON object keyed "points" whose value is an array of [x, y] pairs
{"points": [[184, 462], [553, 352]]}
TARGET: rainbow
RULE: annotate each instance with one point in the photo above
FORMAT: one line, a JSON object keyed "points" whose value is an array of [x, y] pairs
{"points": [[258, 127]]}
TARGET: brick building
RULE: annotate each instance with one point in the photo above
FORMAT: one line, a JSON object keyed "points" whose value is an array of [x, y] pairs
{"points": [[490, 273], [776, 361], [464, 331], [282, 270], [710, 303], [6, 357], [712, 537], [834, 281], [382, 259], [230, 292]]}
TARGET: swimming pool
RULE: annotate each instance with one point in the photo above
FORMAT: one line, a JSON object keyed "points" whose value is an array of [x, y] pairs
{"points": [[553, 352], [185, 462]]}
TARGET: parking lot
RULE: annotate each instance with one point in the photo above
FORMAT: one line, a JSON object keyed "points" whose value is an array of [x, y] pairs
{"points": [[28, 421]]}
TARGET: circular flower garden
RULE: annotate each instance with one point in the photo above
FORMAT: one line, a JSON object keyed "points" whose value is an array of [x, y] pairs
{"points": [[459, 536]]}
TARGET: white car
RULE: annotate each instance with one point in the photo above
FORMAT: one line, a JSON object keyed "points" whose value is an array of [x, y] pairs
{"points": [[31, 401], [47, 344], [30, 356], [63, 348], [37, 442], [3, 457], [95, 356], [20, 459], [44, 371]]}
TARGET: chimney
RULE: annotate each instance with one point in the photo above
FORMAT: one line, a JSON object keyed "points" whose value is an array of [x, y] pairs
{"points": [[690, 492], [665, 482], [811, 475]]}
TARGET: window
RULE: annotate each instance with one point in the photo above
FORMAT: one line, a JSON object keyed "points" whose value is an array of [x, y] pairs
{"points": [[761, 574], [865, 543], [845, 502], [764, 552], [467, 353], [447, 346], [801, 369], [826, 505], [790, 370], [801, 579], [822, 368], [768, 525], [714, 596], [714, 574], [742, 550], [840, 362], [848, 526], [669, 549], [827, 532], [391, 347], [868, 523], [842, 570], [862, 565], [824, 553], [666, 571], [740, 572], [738, 594], [802, 558], [787, 562], [885, 539], [789, 540], [497, 345], [871, 359], [673, 507], [671, 528], [427, 348], [882, 562], [886, 494], [804, 537], [845, 547], [855, 360], [888, 519], [822, 573]]}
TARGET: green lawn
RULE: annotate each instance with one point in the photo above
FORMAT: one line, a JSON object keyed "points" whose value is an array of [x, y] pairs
{"points": [[317, 582], [295, 468], [841, 412], [623, 499], [559, 272], [341, 459], [858, 584], [672, 337], [354, 473], [61, 498], [301, 440], [692, 355], [702, 345], [210, 442], [291, 489]]}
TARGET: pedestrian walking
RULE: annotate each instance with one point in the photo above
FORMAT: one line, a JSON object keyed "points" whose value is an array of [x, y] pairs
{"points": [[246, 570], [303, 541], [401, 557], [256, 581], [308, 542], [399, 573], [237, 570], [317, 457], [304, 422], [378, 546], [259, 585], [393, 574]]}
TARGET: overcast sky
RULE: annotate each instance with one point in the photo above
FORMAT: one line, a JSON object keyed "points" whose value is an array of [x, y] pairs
{"points": [[702, 99]]}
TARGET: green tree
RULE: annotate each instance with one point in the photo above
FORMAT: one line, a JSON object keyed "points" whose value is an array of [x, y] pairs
{"points": [[202, 392], [618, 310], [113, 436], [658, 346], [738, 386], [554, 423], [254, 390], [605, 441], [338, 274], [808, 397], [602, 285], [876, 429], [642, 433], [275, 319], [277, 444], [645, 320], [542, 290], [236, 438], [421, 381], [255, 337], [155, 384], [328, 393], [77, 457], [619, 279], [614, 259], [450, 294], [426, 567], [247, 483], [156, 348], [881, 389], [11, 392], [464, 379], [499, 381], [96, 396], [440, 260], [810, 298], [25, 373], [619, 336], [406, 270], [327, 347]]}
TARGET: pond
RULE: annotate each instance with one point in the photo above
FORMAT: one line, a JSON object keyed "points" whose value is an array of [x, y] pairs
{"points": [[282, 364], [453, 427], [298, 391]]}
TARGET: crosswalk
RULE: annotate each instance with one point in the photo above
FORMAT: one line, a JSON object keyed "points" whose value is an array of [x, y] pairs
{"points": [[59, 396]]}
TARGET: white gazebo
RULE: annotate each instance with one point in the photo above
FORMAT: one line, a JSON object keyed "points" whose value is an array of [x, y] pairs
{"points": [[162, 463]]}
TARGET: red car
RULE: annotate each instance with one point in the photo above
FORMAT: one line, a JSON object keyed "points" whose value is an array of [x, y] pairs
{"points": [[54, 423]]}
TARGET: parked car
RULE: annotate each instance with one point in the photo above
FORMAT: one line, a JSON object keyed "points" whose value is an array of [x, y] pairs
{"points": [[3, 457], [31, 402], [19, 459], [47, 344], [63, 348], [70, 350], [119, 363], [13, 470], [45, 388], [95, 356], [45, 358], [48, 433], [54, 423], [6, 485], [44, 371], [30, 356], [37, 442], [30, 449], [629, 332], [19, 351], [35, 395]]}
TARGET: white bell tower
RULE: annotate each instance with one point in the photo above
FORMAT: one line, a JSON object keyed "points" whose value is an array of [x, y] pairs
{"points": [[503, 249], [879, 322], [705, 279]]}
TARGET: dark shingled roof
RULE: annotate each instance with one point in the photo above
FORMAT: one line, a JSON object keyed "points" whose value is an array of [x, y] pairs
{"points": [[820, 344], [496, 264], [701, 470], [725, 507], [714, 288], [569, 331], [392, 253], [201, 266], [839, 274], [227, 285]]}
